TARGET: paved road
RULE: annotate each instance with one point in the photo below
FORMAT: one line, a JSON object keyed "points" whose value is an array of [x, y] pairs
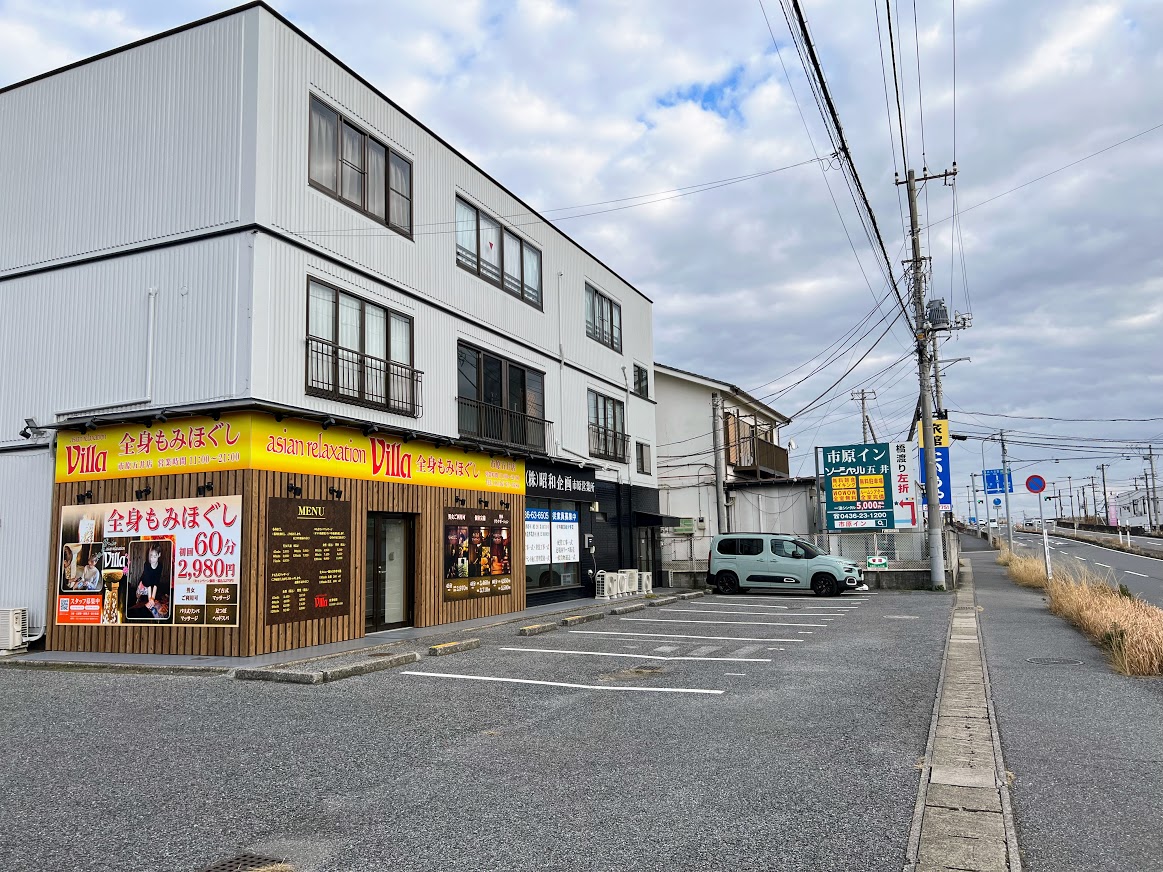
{"points": [[1148, 543], [604, 756], [1143, 575], [1082, 741]]}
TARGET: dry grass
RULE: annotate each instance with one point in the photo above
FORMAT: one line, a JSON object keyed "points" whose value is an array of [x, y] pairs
{"points": [[1127, 628], [1004, 555]]}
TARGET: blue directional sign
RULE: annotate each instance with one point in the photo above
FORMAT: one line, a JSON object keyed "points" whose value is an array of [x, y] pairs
{"points": [[944, 476], [993, 481]]}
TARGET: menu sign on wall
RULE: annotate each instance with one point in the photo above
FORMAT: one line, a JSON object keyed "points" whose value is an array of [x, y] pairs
{"points": [[477, 553], [308, 559], [151, 562]]}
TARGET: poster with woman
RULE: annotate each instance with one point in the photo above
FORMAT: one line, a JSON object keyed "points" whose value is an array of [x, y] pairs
{"points": [[477, 553]]}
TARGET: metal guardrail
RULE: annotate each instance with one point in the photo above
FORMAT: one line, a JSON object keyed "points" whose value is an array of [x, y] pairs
{"points": [[609, 444], [503, 426], [342, 374]]}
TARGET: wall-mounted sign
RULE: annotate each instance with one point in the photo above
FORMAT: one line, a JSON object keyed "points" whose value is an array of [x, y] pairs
{"points": [[156, 562], [940, 433], [557, 482], [538, 547], [863, 486], [477, 553], [944, 476], [308, 571], [249, 440], [566, 548]]}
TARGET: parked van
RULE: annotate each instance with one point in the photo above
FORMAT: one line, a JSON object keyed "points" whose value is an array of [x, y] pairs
{"points": [[740, 561]]}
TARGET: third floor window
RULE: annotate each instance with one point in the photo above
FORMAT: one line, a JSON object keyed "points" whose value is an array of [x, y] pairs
{"points": [[603, 319], [497, 255]]}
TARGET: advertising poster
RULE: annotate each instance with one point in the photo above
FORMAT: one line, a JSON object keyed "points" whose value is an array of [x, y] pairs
{"points": [[905, 514], [477, 553], [859, 486], [308, 559], [944, 476], [151, 562], [537, 539], [248, 440], [566, 547]]}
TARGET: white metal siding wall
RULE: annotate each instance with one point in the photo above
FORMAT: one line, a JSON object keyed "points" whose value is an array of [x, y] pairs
{"points": [[142, 145], [290, 70], [26, 486], [76, 337]]}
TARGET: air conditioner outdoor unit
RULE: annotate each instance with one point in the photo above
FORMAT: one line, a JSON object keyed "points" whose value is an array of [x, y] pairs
{"points": [[13, 624]]}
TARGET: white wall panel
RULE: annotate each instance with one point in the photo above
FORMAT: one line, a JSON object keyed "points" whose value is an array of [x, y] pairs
{"points": [[26, 486], [77, 336], [141, 145]]}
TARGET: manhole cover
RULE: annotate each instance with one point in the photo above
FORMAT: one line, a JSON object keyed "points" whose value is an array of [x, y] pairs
{"points": [[1054, 661], [249, 863]]}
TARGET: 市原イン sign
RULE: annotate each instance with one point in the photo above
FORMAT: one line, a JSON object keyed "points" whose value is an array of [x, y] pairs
{"points": [[869, 486]]}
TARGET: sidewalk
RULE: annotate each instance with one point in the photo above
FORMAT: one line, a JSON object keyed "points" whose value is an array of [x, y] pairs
{"points": [[183, 663], [1084, 744]]}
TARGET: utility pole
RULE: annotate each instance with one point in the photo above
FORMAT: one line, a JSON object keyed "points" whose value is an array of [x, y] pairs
{"points": [[1070, 490], [1094, 493], [1106, 508], [864, 396], [932, 488], [717, 443], [973, 514], [1005, 486], [1153, 501]]}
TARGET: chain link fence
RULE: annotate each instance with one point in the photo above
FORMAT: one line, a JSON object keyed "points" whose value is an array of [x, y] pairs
{"points": [[904, 549]]}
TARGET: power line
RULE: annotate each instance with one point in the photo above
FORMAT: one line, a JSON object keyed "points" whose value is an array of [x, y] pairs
{"points": [[1071, 420]]}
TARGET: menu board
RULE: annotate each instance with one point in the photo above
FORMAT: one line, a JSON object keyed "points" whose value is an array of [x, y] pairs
{"points": [[308, 559], [477, 545], [151, 563]]}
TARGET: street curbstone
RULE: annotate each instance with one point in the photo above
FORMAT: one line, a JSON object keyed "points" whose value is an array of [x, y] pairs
{"points": [[663, 601], [279, 675], [375, 665], [453, 647], [574, 620], [625, 610], [694, 594], [536, 629]]}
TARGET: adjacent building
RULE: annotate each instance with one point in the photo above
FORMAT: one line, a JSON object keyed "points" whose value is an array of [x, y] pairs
{"points": [[283, 367]]}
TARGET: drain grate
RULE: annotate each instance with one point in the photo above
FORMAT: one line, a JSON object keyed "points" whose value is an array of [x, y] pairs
{"points": [[249, 863], [1053, 661]]}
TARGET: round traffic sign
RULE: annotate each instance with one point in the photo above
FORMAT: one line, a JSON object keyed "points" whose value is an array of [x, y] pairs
{"points": [[1035, 484], [997, 501]]}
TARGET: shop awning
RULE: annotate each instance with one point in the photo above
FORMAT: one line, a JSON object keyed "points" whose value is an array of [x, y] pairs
{"points": [[650, 519]]}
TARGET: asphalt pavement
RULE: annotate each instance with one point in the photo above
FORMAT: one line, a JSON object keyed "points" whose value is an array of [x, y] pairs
{"points": [[1083, 743], [757, 732], [1142, 575]]}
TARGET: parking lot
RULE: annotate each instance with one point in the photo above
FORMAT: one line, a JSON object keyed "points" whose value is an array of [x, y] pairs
{"points": [[746, 732]]}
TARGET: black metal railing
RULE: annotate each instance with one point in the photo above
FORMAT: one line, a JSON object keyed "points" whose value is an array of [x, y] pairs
{"points": [[609, 444], [505, 427], [342, 374]]}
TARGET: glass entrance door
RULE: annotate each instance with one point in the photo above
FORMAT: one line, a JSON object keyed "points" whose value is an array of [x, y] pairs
{"points": [[389, 572]]}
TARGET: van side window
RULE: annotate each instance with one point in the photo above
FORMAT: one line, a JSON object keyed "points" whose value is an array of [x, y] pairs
{"points": [[728, 546], [750, 547], [779, 547]]}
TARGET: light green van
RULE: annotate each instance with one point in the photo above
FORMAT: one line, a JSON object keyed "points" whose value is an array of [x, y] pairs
{"points": [[777, 561]]}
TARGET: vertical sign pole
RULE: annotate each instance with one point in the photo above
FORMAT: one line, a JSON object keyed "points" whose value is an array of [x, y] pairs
{"points": [[1045, 539]]}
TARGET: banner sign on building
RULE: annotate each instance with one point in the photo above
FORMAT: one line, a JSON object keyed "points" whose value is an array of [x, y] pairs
{"points": [[546, 481], [944, 476], [308, 568], [869, 486], [476, 553], [250, 440], [566, 543], [151, 562]]}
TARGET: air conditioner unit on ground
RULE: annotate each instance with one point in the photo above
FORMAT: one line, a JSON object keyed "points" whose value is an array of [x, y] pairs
{"points": [[13, 630]]}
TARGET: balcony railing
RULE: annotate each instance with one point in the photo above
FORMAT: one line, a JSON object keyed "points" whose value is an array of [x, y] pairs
{"points": [[491, 423], [342, 374], [609, 444], [759, 457]]}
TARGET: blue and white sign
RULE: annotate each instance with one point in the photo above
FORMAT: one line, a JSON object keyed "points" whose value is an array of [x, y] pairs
{"points": [[993, 481], [997, 501], [944, 476], [538, 546], [565, 536]]}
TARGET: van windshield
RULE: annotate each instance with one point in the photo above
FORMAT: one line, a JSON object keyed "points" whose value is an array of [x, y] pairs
{"points": [[810, 550]]}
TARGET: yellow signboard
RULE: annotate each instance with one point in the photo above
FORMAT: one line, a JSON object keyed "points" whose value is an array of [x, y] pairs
{"points": [[249, 440], [940, 433]]}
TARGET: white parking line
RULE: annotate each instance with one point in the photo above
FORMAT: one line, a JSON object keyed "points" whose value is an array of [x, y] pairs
{"points": [[690, 656], [677, 636], [704, 650], [562, 683], [774, 608], [1129, 572], [666, 649], [745, 650], [756, 614], [737, 623], [737, 674]]}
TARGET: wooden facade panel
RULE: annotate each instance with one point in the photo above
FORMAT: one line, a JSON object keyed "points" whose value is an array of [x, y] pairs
{"points": [[254, 635]]}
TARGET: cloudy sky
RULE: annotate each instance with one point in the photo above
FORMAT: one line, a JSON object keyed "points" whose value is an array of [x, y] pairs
{"points": [[575, 103]]}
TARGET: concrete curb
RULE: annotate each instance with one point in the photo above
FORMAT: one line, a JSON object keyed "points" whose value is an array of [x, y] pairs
{"points": [[625, 610], [135, 669], [663, 601], [326, 675], [574, 620], [536, 629], [281, 675], [453, 647], [692, 595]]}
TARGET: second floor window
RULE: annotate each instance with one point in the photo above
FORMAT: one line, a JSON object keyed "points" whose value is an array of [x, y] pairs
{"points": [[359, 352], [641, 381], [607, 426], [642, 454], [359, 170], [603, 319], [499, 400], [497, 255]]}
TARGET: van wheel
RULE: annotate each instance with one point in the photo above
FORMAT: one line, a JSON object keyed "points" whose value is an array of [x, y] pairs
{"points": [[727, 583], [823, 585]]}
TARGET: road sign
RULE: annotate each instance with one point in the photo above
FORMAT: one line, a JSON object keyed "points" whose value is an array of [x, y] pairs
{"points": [[861, 485], [944, 476], [973, 520], [996, 501], [1035, 484], [993, 481]]}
